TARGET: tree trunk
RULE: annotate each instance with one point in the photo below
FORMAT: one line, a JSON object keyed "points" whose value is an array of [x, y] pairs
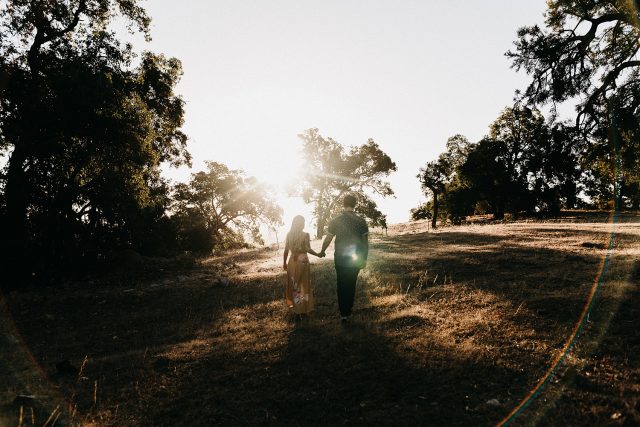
{"points": [[435, 209], [14, 251], [15, 224], [572, 197], [619, 202], [635, 200], [322, 222], [498, 212]]}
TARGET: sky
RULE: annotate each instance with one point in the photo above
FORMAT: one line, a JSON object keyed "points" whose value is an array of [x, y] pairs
{"points": [[408, 74]]}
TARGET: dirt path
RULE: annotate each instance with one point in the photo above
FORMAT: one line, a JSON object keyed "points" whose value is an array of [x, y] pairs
{"points": [[453, 327]]}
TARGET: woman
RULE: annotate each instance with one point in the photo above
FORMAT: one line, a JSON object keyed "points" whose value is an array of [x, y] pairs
{"points": [[298, 293]]}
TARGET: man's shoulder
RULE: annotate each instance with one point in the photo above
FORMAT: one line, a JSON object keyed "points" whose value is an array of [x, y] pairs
{"points": [[339, 217], [335, 219], [356, 220], [348, 219], [357, 217]]}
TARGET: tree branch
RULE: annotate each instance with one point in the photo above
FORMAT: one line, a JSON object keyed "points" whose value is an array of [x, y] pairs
{"points": [[611, 77], [607, 17], [45, 33]]}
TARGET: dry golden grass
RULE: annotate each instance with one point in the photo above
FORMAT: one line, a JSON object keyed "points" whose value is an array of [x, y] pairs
{"points": [[451, 327]]}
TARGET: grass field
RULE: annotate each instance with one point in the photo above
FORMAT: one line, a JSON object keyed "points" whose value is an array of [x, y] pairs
{"points": [[451, 327]]}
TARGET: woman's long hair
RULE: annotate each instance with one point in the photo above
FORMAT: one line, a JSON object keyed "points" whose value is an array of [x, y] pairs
{"points": [[295, 236]]}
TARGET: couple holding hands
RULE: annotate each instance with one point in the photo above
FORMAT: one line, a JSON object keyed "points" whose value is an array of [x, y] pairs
{"points": [[351, 251]]}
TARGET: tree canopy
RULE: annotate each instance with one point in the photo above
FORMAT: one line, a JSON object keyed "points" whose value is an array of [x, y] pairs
{"points": [[85, 130], [330, 171], [442, 178], [588, 48], [525, 164], [588, 53], [222, 204]]}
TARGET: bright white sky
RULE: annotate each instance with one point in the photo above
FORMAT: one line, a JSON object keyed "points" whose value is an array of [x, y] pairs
{"points": [[408, 74]]}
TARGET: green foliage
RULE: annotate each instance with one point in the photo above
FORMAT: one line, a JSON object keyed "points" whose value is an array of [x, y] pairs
{"points": [[441, 176], [219, 206], [86, 131], [434, 177], [589, 52], [369, 210], [611, 160], [461, 201], [192, 234], [330, 171], [589, 48], [486, 172], [421, 212], [524, 165], [554, 171]]}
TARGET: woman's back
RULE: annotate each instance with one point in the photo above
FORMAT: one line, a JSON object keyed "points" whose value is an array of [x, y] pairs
{"points": [[298, 242]]}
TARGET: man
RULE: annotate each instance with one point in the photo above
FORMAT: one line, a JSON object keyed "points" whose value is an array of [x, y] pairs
{"points": [[351, 251]]}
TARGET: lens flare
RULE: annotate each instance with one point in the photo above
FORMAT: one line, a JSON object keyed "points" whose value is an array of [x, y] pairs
{"points": [[575, 333], [589, 303]]}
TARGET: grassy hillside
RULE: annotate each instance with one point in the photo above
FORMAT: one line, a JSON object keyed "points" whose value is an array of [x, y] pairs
{"points": [[451, 327]]}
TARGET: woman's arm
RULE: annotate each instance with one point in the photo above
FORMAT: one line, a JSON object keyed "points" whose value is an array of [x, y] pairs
{"points": [[307, 246], [285, 255]]}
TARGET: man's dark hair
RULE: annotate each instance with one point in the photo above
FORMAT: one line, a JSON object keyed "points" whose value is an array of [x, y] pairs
{"points": [[349, 201]]}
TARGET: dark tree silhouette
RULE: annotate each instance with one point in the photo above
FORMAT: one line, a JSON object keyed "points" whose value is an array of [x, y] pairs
{"points": [[434, 177], [589, 52], [83, 130], [441, 176], [488, 174]]}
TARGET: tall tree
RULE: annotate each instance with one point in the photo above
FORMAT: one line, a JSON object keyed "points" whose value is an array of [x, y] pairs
{"points": [[84, 130], [486, 172], [525, 164], [522, 131], [553, 169], [440, 175], [434, 177], [330, 171], [589, 52], [457, 150], [228, 204]]}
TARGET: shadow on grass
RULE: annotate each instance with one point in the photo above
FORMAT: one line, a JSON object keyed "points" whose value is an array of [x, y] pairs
{"points": [[551, 280], [445, 323], [373, 370], [328, 374]]}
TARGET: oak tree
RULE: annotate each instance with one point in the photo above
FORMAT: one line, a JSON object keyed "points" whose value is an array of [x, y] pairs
{"points": [[83, 128], [331, 170], [225, 205], [588, 53]]}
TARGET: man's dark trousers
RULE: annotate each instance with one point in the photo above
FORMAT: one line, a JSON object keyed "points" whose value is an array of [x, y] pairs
{"points": [[346, 279]]}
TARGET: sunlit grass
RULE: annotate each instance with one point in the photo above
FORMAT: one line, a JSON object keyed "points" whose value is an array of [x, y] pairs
{"points": [[444, 322]]}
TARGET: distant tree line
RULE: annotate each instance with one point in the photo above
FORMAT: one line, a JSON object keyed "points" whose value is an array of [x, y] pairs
{"points": [[528, 163]]}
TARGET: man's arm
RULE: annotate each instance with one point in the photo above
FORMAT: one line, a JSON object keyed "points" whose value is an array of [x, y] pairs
{"points": [[325, 243]]}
